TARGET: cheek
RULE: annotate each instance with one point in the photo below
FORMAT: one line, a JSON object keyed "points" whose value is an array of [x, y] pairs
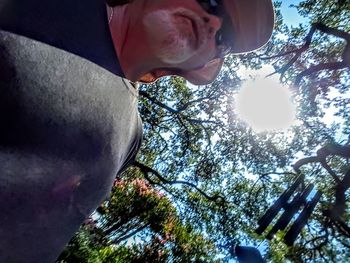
{"points": [[206, 54], [200, 58], [170, 38]]}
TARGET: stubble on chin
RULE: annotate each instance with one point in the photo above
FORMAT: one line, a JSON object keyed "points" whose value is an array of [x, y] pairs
{"points": [[170, 44]]}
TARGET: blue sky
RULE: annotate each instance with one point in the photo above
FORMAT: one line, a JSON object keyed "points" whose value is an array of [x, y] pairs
{"points": [[290, 14]]}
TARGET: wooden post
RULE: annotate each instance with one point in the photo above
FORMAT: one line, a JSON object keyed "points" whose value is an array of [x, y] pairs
{"points": [[266, 219], [301, 221]]}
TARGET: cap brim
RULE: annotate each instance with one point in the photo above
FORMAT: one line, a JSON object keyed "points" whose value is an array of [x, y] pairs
{"points": [[252, 22]]}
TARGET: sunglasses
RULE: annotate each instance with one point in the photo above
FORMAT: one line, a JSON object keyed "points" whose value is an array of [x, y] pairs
{"points": [[224, 36]]}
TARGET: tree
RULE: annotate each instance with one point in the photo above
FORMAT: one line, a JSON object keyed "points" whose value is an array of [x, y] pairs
{"points": [[136, 210], [213, 176], [315, 60]]}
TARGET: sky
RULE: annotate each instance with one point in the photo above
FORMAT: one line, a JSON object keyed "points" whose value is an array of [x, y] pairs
{"points": [[261, 107], [264, 103], [292, 18], [290, 14]]}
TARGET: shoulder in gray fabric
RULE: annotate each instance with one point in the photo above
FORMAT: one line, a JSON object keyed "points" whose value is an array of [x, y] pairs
{"points": [[67, 126]]}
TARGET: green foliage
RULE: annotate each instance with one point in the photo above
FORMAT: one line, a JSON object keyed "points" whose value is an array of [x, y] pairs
{"points": [[212, 176], [81, 249], [137, 224]]}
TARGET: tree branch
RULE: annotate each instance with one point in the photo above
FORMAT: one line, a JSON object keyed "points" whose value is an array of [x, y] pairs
{"points": [[316, 159], [303, 161], [323, 66], [319, 67], [145, 170], [157, 102], [120, 239], [281, 54]]}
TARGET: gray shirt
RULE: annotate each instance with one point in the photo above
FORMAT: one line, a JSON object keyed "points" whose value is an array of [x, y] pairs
{"points": [[68, 127]]}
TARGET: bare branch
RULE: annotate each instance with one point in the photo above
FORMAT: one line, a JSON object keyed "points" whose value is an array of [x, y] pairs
{"points": [[124, 237], [307, 160], [157, 102], [299, 51], [199, 121], [315, 159], [281, 54], [330, 171], [332, 31], [145, 170], [323, 66], [319, 67]]}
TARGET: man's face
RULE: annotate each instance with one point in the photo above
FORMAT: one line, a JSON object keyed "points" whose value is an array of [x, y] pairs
{"points": [[175, 33]]}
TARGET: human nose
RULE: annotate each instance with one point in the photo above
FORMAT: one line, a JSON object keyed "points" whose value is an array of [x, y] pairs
{"points": [[214, 24]]}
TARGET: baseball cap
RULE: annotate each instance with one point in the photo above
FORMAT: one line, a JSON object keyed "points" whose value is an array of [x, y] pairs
{"points": [[252, 22]]}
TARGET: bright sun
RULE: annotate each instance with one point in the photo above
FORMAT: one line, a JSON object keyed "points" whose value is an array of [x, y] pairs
{"points": [[265, 105]]}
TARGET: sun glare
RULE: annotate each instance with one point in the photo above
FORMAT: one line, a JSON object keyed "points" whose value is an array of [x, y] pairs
{"points": [[265, 105]]}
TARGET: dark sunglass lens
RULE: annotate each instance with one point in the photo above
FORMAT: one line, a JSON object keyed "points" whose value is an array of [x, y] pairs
{"points": [[205, 5], [212, 7], [219, 38], [224, 36]]}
